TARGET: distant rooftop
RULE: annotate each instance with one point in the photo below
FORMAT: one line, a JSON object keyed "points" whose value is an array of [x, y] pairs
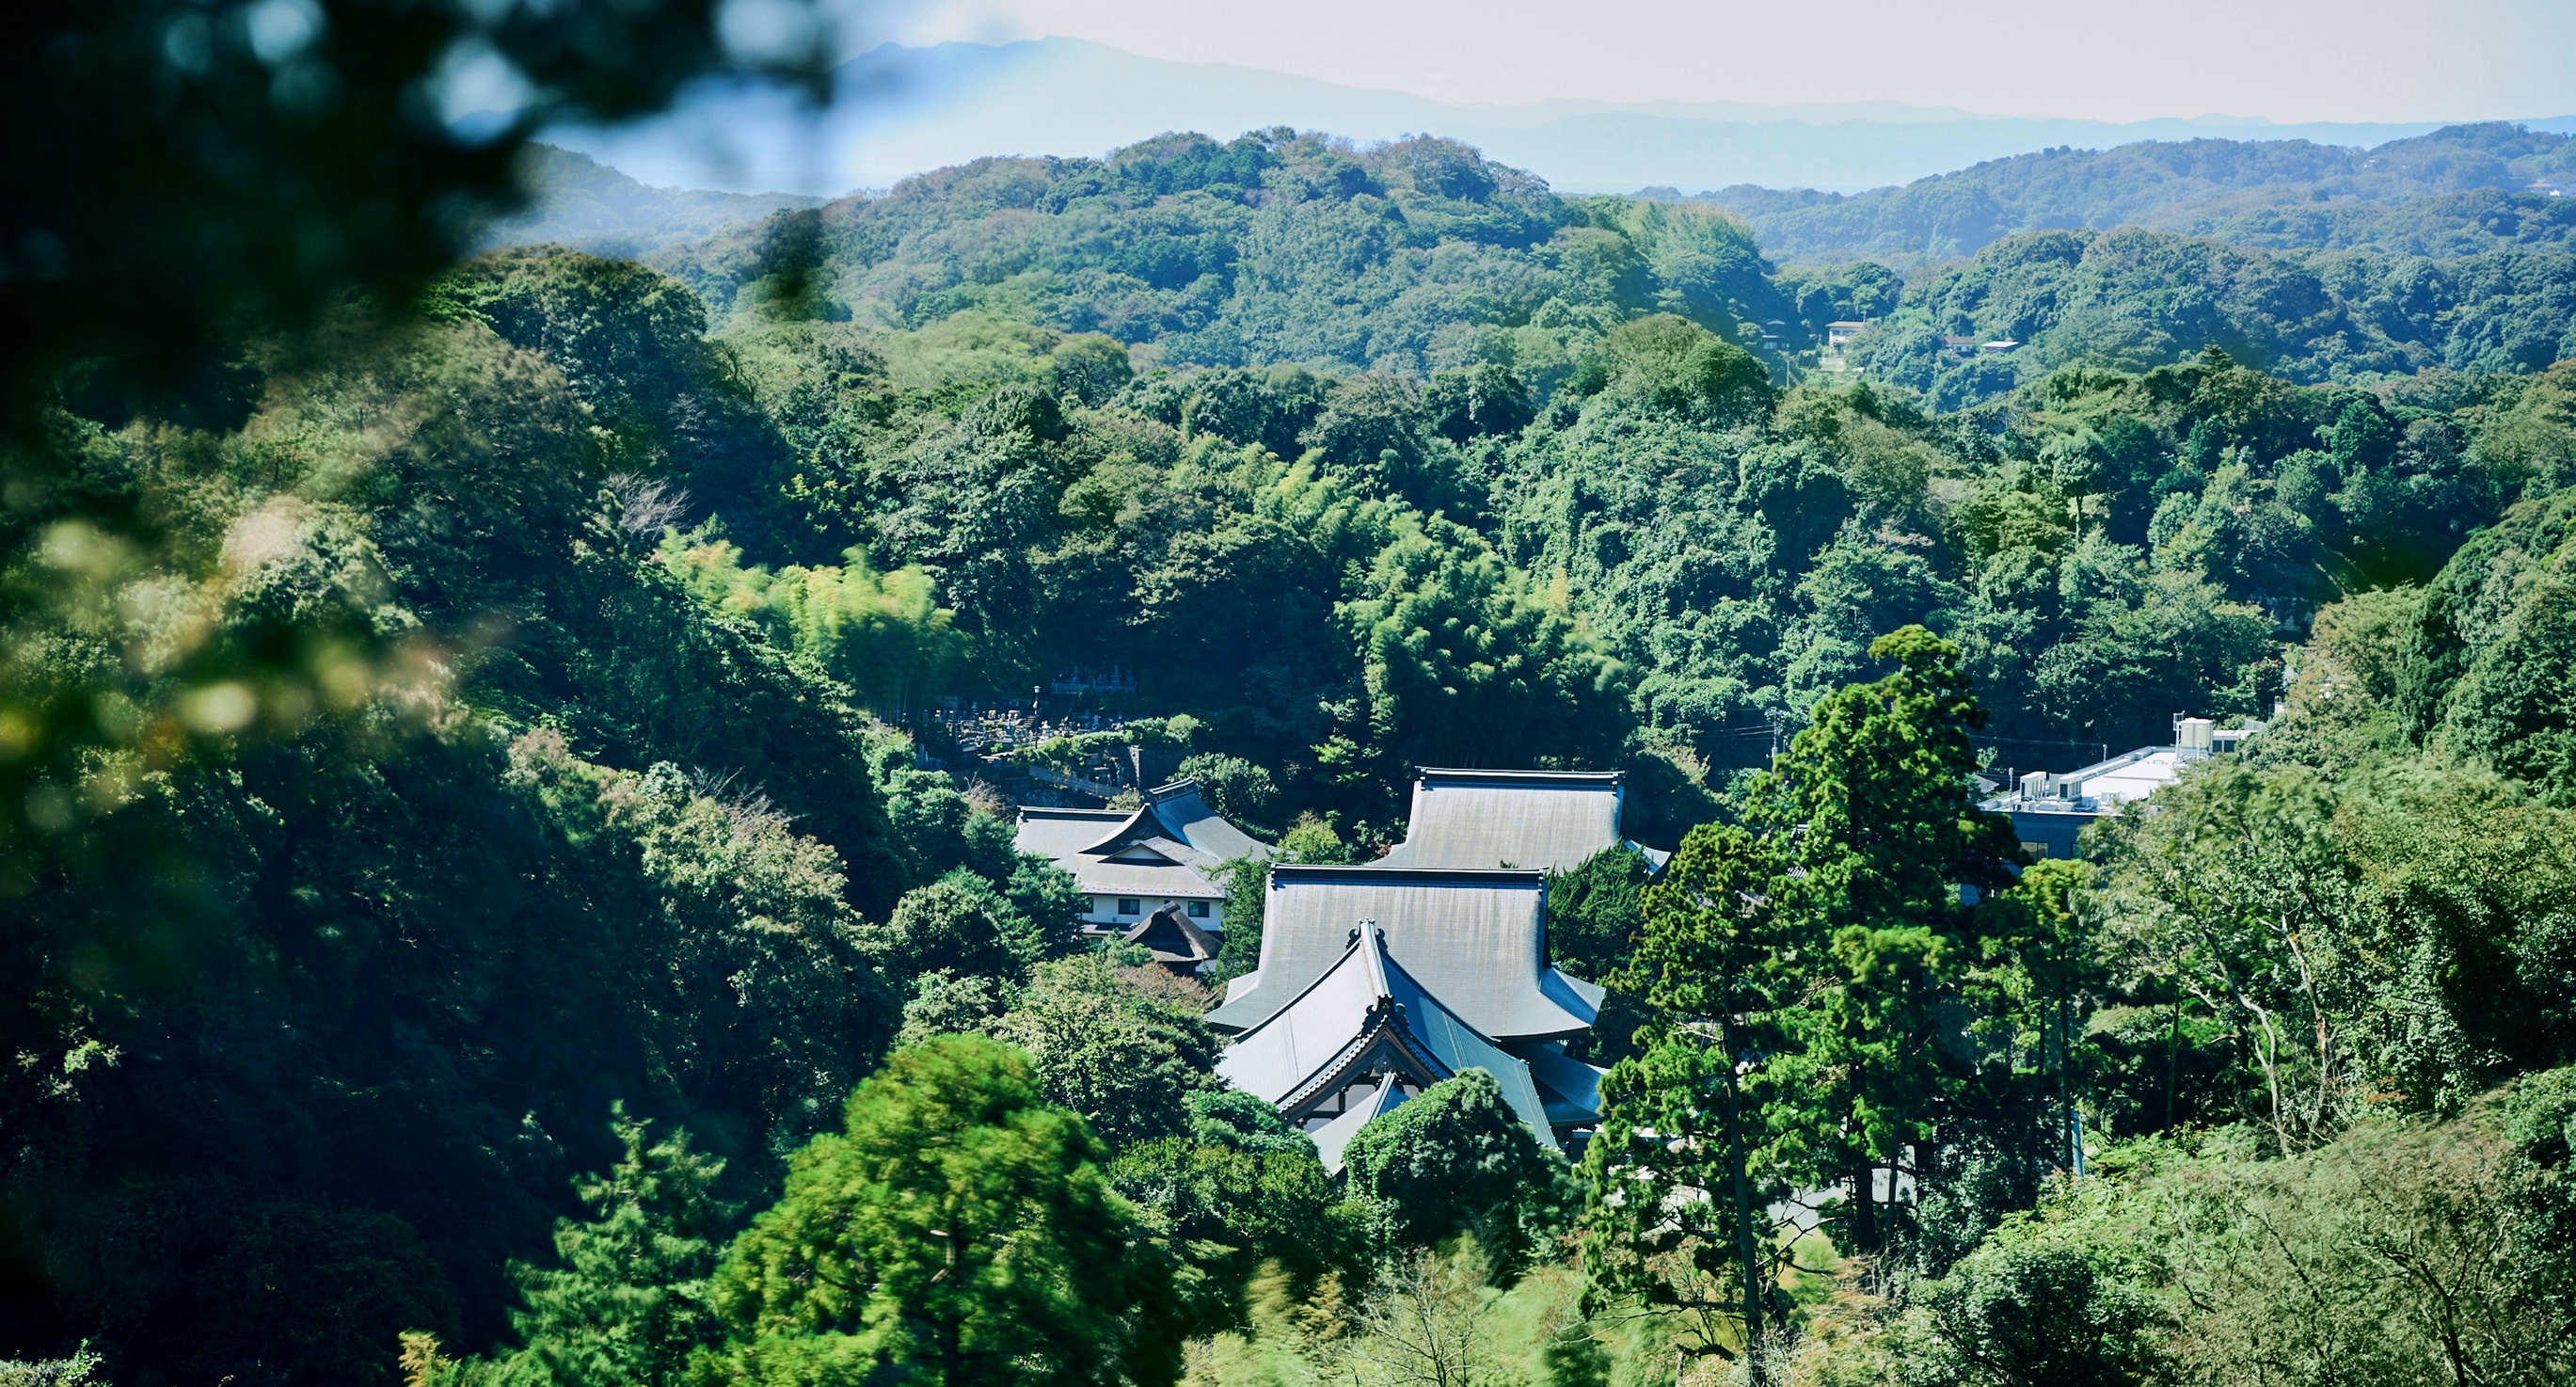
{"points": [[2048, 809], [1549, 820], [1163, 848]]}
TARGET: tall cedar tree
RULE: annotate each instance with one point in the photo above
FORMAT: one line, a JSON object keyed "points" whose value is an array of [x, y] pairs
{"points": [[1877, 797], [1718, 964], [630, 1302]]}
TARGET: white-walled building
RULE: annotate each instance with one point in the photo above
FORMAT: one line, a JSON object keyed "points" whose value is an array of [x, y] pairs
{"points": [[1133, 862]]}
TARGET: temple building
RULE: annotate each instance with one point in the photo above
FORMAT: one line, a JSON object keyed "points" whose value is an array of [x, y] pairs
{"points": [[1175, 941], [1549, 820], [1134, 862], [1377, 981]]}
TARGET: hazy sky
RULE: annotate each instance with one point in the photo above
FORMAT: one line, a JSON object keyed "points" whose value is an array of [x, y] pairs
{"points": [[2387, 60]]}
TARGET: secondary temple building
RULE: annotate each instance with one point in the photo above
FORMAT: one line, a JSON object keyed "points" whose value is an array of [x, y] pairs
{"points": [[1146, 872], [1378, 981]]}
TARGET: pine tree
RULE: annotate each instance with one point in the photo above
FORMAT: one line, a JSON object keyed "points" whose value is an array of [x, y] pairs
{"points": [[630, 1301]]}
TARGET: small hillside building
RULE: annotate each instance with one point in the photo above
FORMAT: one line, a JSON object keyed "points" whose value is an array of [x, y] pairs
{"points": [[1134, 862], [2049, 811]]}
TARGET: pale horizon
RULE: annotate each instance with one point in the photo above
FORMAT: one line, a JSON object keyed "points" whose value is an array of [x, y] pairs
{"points": [[2294, 61]]}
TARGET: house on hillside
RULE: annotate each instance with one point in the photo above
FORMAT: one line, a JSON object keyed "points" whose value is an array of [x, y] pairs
{"points": [[1841, 335], [1132, 863], [1549, 820], [2049, 811], [1376, 982]]}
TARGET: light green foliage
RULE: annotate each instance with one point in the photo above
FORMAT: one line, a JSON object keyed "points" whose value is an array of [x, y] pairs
{"points": [[880, 634], [1432, 1318], [959, 1230], [2398, 1253], [79, 1370], [946, 1002], [1310, 839], [1454, 1160], [2406, 922], [1119, 1043]]}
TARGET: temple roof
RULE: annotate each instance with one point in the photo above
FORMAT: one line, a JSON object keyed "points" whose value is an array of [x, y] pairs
{"points": [[1476, 938], [1177, 942], [1335, 1136], [1164, 848], [1547, 820], [1339, 1024]]}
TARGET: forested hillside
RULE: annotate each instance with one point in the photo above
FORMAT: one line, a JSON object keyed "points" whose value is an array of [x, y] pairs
{"points": [[2133, 298], [2468, 179], [456, 743]]}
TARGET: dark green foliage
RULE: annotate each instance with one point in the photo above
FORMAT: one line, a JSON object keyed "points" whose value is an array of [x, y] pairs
{"points": [[1241, 1188], [282, 167], [1232, 786], [960, 923], [1455, 1160], [1121, 1044], [1692, 1109], [2025, 1312], [1247, 890], [629, 1302], [1592, 912]]}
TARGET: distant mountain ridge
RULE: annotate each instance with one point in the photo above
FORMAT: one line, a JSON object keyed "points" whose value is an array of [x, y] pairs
{"points": [[2459, 190], [901, 110], [578, 202]]}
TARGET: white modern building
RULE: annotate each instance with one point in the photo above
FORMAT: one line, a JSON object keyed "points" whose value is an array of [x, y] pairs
{"points": [[2049, 811]]}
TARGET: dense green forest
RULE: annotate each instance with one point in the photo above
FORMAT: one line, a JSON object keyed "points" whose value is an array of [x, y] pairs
{"points": [[478, 911], [2457, 191]]}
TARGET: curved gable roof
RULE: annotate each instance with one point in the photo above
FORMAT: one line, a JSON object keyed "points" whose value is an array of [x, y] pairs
{"points": [[1324, 1033], [1476, 939], [1547, 820]]}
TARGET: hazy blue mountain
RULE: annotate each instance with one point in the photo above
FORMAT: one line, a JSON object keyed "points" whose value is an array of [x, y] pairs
{"points": [[584, 204], [901, 110]]}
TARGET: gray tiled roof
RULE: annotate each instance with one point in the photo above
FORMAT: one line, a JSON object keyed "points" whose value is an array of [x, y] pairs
{"points": [[1550, 820], [1083, 841], [1179, 805], [1368, 985], [1335, 1136], [1477, 939], [1570, 1088], [1173, 938]]}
